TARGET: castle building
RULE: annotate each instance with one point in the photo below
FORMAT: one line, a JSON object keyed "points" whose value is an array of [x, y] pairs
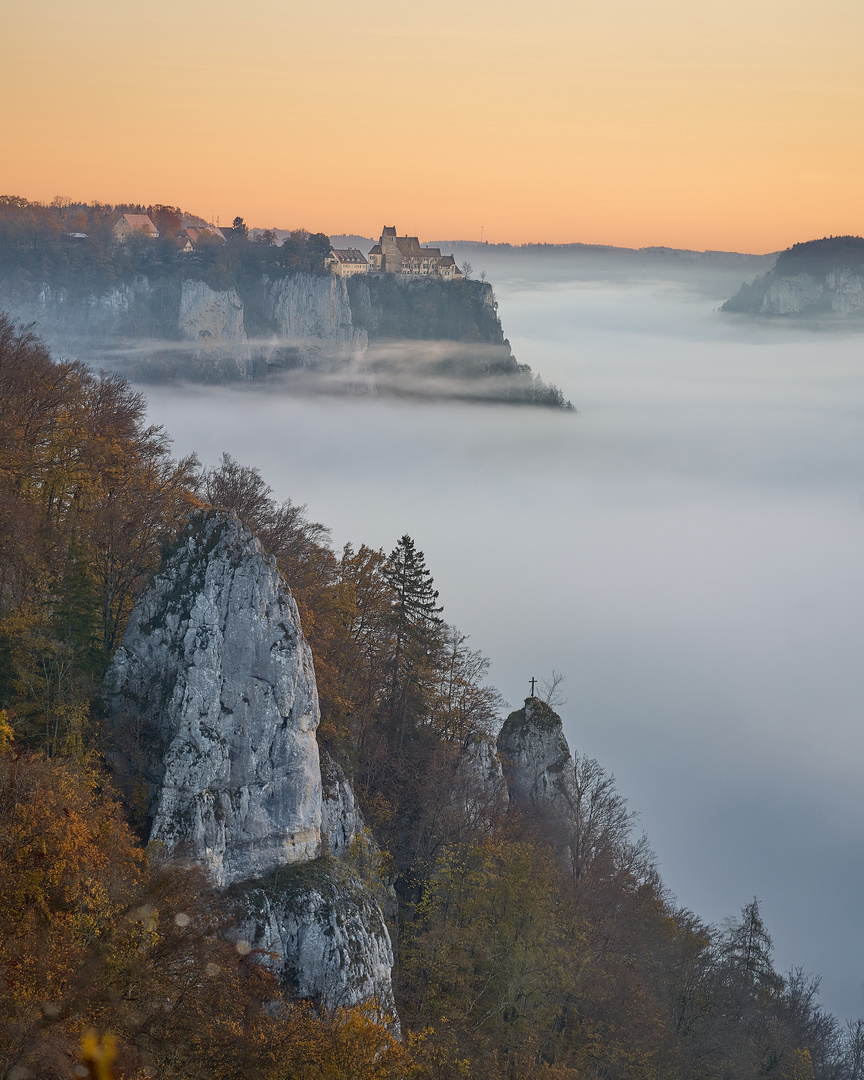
{"points": [[347, 261], [404, 255]]}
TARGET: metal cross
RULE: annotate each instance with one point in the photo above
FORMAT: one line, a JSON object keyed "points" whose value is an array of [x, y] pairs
{"points": [[532, 687]]}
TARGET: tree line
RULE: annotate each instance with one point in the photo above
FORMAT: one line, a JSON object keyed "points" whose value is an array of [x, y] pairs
{"points": [[72, 245], [510, 961]]}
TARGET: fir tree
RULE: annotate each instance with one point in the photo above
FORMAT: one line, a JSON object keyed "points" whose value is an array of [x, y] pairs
{"points": [[416, 621]]}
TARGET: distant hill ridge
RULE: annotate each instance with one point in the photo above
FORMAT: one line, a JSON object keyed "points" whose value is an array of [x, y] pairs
{"points": [[364, 243]]}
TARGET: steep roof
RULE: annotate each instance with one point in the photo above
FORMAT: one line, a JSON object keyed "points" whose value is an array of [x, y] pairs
{"points": [[410, 245], [140, 222], [348, 255], [195, 233]]}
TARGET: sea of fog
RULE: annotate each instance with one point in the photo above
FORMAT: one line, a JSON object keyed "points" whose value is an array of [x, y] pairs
{"points": [[688, 550]]}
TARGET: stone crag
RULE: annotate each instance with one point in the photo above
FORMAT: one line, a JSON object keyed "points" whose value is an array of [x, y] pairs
{"points": [[818, 279], [179, 327], [313, 315], [213, 320], [215, 670], [539, 772], [323, 933], [214, 708], [312, 332]]}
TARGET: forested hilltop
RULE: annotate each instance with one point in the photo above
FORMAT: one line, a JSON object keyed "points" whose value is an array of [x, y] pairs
{"points": [[532, 934], [217, 305], [821, 279]]}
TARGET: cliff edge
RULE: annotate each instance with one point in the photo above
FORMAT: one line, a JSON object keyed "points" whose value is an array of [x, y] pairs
{"points": [[819, 278]]}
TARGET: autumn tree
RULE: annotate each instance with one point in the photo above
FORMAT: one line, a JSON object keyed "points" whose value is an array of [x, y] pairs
{"points": [[167, 219], [90, 494]]}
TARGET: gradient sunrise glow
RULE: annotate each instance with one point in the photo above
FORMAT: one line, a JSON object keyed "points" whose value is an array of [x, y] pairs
{"points": [[735, 125]]}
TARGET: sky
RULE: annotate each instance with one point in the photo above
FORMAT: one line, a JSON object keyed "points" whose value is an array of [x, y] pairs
{"points": [[687, 549], [732, 126]]}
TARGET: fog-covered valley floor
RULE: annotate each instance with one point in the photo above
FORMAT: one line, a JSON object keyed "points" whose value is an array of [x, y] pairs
{"points": [[688, 550]]}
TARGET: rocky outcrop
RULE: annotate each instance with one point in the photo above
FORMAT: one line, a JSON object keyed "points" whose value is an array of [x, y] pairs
{"points": [[322, 934], [215, 707], [67, 316], [214, 322], [821, 278], [846, 291], [341, 820], [313, 314], [540, 775], [536, 759], [839, 292], [480, 788], [791, 295]]}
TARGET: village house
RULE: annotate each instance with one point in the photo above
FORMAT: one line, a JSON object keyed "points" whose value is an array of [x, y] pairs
{"points": [[405, 255], [347, 261], [190, 238], [130, 224]]}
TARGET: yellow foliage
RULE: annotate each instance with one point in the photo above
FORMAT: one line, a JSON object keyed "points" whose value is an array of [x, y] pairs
{"points": [[98, 1055], [349, 1043], [7, 734]]}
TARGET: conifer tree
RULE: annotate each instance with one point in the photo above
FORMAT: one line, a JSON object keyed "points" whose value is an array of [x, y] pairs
{"points": [[416, 621], [748, 948]]}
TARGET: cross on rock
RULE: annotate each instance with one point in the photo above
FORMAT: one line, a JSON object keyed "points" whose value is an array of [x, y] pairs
{"points": [[532, 686]]}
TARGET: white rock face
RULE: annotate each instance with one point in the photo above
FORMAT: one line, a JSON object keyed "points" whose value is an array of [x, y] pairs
{"points": [[541, 775], [536, 759], [791, 295], [341, 819], [215, 707], [214, 701], [313, 314], [214, 322], [847, 292], [327, 935], [480, 785], [98, 317]]}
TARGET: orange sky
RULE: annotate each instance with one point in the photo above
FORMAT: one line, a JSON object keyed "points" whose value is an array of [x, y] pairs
{"points": [[734, 125]]}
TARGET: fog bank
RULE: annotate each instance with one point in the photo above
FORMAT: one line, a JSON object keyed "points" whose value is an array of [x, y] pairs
{"points": [[688, 550]]}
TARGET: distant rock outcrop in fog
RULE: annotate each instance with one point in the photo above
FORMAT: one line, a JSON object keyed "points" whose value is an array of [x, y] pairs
{"points": [[818, 278]]}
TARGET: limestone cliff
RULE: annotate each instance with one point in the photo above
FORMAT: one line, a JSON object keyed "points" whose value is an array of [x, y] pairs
{"points": [[71, 319], [480, 788], [820, 278], [213, 320], [444, 339], [183, 327], [341, 820], [215, 679], [322, 933], [214, 708], [312, 314]]}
